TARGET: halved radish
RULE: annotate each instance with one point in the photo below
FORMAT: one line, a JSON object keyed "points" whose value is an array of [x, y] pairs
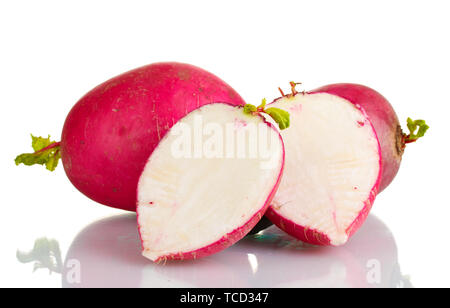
{"points": [[208, 182], [344, 146]]}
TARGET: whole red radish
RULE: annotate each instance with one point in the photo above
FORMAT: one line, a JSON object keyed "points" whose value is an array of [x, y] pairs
{"points": [[344, 146], [112, 130]]}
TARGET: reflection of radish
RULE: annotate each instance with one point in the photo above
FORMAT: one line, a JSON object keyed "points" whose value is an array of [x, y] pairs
{"points": [[271, 259], [107, 252], [344, 146], [190, 206], [114, 244], [303, 265], [110, 133]]}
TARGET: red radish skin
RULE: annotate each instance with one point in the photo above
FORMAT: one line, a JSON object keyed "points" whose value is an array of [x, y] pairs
{"points": [[304, 234], [384, 120], [110, 133]]}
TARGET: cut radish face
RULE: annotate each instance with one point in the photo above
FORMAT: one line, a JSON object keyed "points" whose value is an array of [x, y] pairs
{"points": [[208, 182], [332, 172]]}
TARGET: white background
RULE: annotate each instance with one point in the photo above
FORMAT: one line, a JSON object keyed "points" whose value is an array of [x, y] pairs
{"points": [[52, 52]]}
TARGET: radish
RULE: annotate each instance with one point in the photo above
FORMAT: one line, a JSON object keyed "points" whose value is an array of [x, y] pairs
{"points": [[196, 196], [344, 146], [110, 133]]}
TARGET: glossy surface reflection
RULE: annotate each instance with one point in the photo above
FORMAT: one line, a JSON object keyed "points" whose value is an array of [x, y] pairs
{"points": [[108, 254]]}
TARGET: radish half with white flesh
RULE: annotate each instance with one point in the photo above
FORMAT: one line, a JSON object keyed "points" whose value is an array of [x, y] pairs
{"points": [[343, 147], [200, 191]]}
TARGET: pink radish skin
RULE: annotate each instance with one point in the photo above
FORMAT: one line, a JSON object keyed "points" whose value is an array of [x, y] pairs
{"points": [[110, 133], [160, 199], [391, 143]]}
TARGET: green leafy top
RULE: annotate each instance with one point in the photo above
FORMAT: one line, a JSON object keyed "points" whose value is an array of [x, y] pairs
{"points": [[281, 117], [414, 125], [46, 153]]}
